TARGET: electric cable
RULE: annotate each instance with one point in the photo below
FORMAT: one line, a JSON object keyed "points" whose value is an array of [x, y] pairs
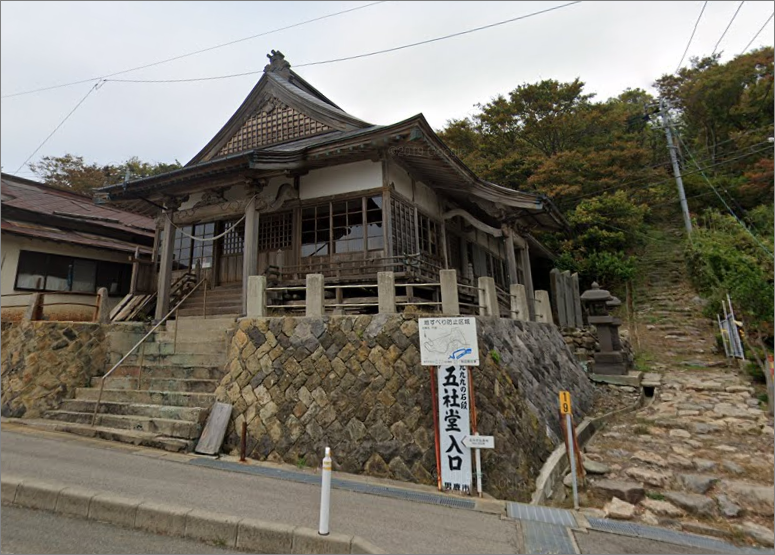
{"points": [[747, 46], [357, 56], [696, 23], [727, 29], [196, 52], [61, 123]]}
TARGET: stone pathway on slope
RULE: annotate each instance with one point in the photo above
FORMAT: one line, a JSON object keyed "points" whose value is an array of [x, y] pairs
{"points": [[700, 457]]}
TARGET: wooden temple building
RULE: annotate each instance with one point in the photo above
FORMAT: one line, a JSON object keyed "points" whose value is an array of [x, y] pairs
{"points": [[292, 184]]}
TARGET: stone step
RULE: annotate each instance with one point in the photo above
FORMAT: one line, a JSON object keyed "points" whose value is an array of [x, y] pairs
{"points": [[189, 414], [179, 359], [159, 384], [133, 437], [234, 311], [161, 426], [147, 397], [164, 344], [171, 372], [201, 325]]}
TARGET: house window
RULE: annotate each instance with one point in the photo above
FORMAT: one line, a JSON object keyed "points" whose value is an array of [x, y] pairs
{"points": [[187, 251], [39, 271], [315, 230], [357, 226]]}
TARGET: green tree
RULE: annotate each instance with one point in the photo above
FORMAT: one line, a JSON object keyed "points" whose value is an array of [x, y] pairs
{"points": [[72, 172]]}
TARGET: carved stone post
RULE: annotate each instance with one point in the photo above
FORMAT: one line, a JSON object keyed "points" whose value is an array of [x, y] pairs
{"points": [[386, 292], [450, 305]]}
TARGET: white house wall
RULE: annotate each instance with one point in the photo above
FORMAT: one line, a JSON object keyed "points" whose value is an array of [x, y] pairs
{"points": [[13, 245], [339, 180]]}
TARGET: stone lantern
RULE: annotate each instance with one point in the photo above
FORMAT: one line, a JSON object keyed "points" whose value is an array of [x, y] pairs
{"points": [[610, 359]]}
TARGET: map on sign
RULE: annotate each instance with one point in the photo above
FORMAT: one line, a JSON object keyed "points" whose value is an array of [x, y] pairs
{"points": [[448, 341]]}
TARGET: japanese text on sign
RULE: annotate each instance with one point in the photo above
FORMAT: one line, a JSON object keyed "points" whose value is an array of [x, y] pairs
{"points": [[448, 341], [454, 426]]}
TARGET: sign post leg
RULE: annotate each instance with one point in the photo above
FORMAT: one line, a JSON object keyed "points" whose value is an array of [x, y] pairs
{"points": [[571, 453]]}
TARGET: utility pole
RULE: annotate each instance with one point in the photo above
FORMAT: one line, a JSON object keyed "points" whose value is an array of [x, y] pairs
{"points": [[676, 170]]}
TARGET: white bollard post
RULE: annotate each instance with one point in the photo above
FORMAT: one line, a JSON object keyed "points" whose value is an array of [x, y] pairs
{"points": [[478, 469], [325, 494]]}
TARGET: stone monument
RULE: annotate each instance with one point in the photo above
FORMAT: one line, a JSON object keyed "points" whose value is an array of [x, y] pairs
{"points": [[610, 359]]}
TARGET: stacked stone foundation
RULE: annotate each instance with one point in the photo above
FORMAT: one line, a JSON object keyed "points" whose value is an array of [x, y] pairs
{"points": [[355, 384]]}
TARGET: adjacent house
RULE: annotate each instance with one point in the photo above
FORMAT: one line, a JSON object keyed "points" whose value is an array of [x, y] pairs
{"points": [[292, 184], [59, 243]]}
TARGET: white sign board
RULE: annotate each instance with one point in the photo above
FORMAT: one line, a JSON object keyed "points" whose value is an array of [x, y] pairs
{"points": [[479, 442], [454, 426], [448, 341]]}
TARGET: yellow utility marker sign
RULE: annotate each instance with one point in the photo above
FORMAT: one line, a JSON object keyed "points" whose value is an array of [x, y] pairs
{"points": [[565, 406]]}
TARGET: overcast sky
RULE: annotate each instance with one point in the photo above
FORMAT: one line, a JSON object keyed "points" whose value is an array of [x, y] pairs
{"points": [[610, 45]]}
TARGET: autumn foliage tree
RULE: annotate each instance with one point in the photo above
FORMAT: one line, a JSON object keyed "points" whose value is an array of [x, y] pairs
{"points": [[73, 173]]}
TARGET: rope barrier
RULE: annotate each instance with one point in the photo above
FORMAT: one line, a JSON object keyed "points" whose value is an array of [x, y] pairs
{"points": [[205, 239]]}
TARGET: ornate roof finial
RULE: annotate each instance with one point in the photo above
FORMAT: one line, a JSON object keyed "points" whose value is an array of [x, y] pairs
{"points": [[277, 64]]}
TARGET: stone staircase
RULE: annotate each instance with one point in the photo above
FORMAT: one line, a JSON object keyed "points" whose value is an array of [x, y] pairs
{"points": [[224, 300], [167, 403]]}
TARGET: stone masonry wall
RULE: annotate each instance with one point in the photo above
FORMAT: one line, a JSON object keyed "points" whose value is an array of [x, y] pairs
{"points": [[355, 384], [43, 363], [583, 343]]}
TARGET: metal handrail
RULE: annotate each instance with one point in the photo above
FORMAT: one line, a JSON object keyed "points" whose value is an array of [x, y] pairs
{"points": [[146, 336]]}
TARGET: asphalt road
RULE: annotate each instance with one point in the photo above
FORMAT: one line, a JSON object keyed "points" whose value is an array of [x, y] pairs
{"points": [[393, 525], [605, 544], [31, 531]]}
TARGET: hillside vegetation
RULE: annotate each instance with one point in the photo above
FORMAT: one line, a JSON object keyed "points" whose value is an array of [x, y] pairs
{"points": [[606, 165]]}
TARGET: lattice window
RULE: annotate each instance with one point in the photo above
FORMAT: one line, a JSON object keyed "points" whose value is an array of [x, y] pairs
{"points": [[266, 128], [429, 235], [404, 237], [275, 231], [234, 241]]}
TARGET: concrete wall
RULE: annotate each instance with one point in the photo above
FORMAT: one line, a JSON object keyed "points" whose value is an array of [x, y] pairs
{"points": [[355, 384], [44, 362], [338, 180], [13, 307]]}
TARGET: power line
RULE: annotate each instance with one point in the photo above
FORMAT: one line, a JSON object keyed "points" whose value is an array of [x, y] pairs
{"points": [[262, 34], [692, 37], [368, 54], [571, 200], [491, 25], [757, 33], [61, 123], [722, 199], [728, 26]]}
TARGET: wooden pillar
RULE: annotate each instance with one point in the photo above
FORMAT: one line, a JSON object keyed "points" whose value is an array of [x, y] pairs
{"points": [[525, 254], [165, 267], [511, 258], [250, 250]]}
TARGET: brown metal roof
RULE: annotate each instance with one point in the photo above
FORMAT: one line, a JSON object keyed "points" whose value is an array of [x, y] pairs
{"points": [[58, 235], [37, 198]]}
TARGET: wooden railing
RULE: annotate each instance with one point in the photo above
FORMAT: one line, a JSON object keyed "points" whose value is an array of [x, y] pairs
{"points": [[34, 308]]}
